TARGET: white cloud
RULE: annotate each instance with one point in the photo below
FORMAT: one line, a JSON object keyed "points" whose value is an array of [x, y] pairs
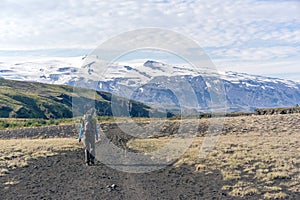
{"points": [[86, 23], [243, 30], [280, 68], [258, 53]]}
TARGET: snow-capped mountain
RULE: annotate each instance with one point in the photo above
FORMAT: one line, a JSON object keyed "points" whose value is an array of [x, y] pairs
{"points": [[160, 84], [55, 70]]}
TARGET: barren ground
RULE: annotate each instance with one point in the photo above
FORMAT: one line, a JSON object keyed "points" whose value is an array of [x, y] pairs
{"points": [[256, 157]]}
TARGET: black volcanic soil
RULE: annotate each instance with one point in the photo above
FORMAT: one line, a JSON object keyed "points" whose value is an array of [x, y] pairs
{"points": [[66, 177]]}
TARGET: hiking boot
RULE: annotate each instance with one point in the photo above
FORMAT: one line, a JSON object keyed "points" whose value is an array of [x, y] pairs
{"points": [[87, 164], [92, 163]]}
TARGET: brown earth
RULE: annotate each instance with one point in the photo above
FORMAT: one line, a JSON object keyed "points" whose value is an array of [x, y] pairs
{"points": [[64, 176]]}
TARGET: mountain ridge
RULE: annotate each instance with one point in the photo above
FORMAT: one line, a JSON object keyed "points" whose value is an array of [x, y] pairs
{"points": [[143, 82]]}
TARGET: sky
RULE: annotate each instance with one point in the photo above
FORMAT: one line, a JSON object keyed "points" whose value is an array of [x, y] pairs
{"points": [[253, 36]]}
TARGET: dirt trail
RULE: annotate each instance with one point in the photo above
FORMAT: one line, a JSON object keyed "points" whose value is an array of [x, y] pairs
{"points": [[65, 177]]}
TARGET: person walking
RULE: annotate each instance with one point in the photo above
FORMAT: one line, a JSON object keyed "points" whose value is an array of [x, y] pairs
{"points": [[89, 132]]}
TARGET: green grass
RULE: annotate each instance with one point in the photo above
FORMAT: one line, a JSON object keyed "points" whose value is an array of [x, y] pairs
{"points": [[15, 123]]}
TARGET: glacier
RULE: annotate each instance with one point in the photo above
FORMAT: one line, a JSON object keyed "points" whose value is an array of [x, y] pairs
{"points": [[159, 84]]}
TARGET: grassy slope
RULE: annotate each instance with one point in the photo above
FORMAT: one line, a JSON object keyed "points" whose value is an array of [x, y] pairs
{"points": [[25, 100], [35, 100]]}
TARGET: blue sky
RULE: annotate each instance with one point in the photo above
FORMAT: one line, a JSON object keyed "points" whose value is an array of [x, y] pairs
{"points": [[257, 37]]}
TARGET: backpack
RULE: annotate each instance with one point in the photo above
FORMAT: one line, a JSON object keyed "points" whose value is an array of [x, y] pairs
{"points": [[88, 125]]}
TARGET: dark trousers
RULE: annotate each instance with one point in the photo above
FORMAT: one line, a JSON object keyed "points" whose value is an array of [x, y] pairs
{"points": [[89, 142]]}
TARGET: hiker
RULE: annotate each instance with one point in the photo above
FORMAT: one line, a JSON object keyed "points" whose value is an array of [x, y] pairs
{"points": [[89, 130]]}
